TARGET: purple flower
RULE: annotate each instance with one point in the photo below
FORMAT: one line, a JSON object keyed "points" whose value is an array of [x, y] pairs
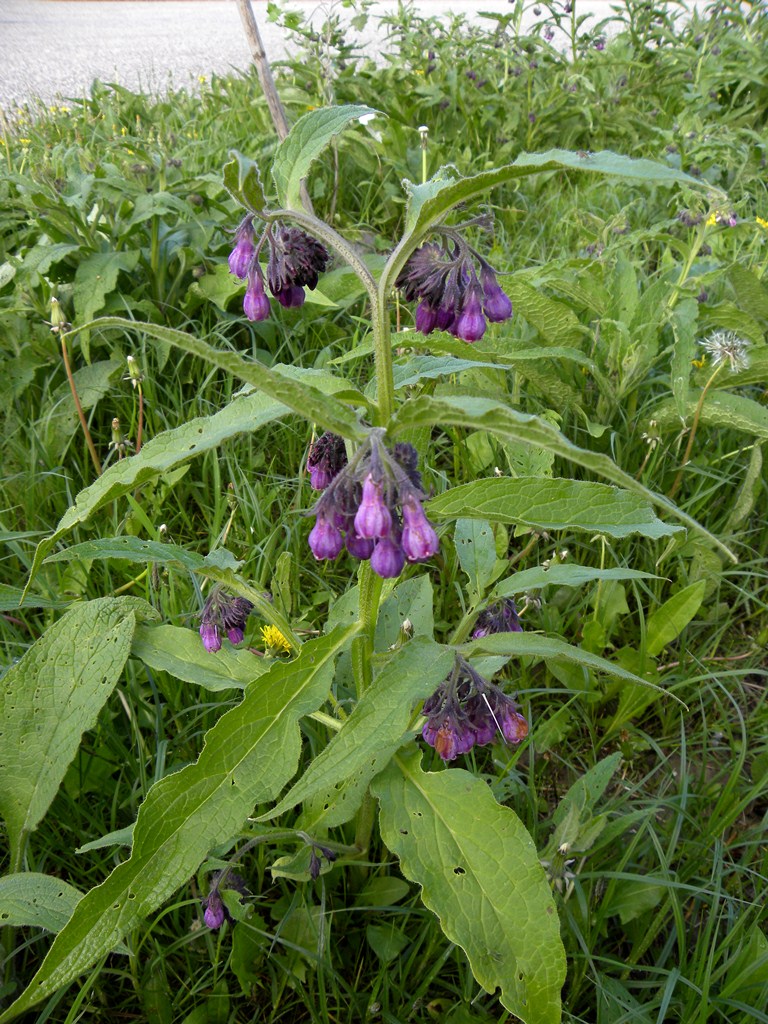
{"points": [[497, 305], [419, 538], [255, 302], [387, 559], [426, 318], [223, 614], [291, 297], [373, 519], [500, 617], [359, 547], [470, 325], [295, 261], [243, 251], [600, 43], [213, 915], [325, 539], [326, 458]]}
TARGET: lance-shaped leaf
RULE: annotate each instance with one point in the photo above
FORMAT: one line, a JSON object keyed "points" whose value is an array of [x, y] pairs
{"points": [[487, 414], [162, 453], [248, 756], [180, 652], [563, 576], [242, 181], [309, 402], [306, 140], [337, 779], [480, 873], [50, 698], [552, 504]]}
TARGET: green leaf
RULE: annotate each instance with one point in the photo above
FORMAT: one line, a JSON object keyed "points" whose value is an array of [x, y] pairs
{"points": [[13, 597], [308, 402], [30, 899], [720, 409], [428, 203], [552, 504], [180, 652], [50, 698], [476, 548], [130, 549], [480, 873], [751, 291], [96, 278], [507, 423], [162, 453], [418, 368], [684, 320], [242, 181], [554, 321], [307, 139], [668, 622], [750, 489], [518, 644], [563, 576], [247, 758], [337, 779]]}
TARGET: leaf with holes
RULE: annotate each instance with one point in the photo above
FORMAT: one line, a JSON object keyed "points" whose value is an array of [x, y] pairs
{"points": [[476, 548], [480, 873], [50, 698], [337, 779], [30, 899], [248, 756]]}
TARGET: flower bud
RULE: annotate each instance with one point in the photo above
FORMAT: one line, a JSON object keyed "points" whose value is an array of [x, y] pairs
{"points": [[209, 633], [214, 911], [359, 547], [387, 559], [255, 302], [470, 325], [290, 297], [325, 539], [419, 537]]}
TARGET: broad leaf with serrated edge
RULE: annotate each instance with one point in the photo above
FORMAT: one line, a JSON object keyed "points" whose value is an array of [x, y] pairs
{"points": [[248, 756], [338, 777], [50, 698], [480, 873], [487, 414], [552, 504], [306, 140]]}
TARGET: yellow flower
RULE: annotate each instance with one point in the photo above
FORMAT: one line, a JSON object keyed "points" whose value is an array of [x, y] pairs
{"points": [[274, 640], [698, 363], [25, 142], [762, 223], [202, 79], [711, 220]]}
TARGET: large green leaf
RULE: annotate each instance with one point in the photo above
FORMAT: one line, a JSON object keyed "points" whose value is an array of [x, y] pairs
{"points": [[30, 899], [309, 402], [306, 140], [162, 453], [96, 278], [720, 409], [684, 319], [487, 414], [337, 779], [50, 698], [480, 873], [563, 576], [668, 622], [180, 652], [555, 322], [552, 504], [248, 756], [428, 203]]}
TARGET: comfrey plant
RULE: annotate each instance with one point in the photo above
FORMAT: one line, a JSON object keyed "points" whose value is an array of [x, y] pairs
{"points": [[381, 687]]}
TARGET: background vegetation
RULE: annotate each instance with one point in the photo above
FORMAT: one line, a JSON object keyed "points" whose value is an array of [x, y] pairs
{"points": [[115, 205]]}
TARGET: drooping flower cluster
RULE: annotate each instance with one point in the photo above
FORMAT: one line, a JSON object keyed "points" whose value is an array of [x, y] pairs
{"points": [[295, 262], [452, 295], [372, 506], [326, 458], [466, 711], [499, 617], [223, 613]]}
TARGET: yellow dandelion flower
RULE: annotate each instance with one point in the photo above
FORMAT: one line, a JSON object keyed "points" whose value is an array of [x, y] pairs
{"points": [[698, 363], [123, 131], [63, 110], [202, 79], [711, 220], [763, 223], [274, 640]]}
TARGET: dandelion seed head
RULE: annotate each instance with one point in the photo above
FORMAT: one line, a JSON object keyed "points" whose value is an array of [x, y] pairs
{"points": [[727, 346]]}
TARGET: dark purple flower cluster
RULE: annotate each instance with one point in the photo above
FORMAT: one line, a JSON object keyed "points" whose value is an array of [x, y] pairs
{"points": [[223, 613], [500, 617], [295, 262], [326, 458], [452, 296], [372, 506], [466, 711]]}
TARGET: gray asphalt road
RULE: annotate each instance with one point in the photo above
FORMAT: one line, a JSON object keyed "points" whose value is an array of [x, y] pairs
{"points": [[50, 48]]}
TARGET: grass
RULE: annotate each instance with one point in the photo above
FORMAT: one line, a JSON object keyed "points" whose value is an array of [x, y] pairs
{"points": [[661, 891]]}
